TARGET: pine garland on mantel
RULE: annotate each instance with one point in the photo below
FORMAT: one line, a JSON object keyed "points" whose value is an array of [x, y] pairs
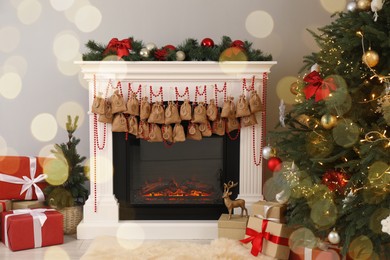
{"points": [[190, 50]]}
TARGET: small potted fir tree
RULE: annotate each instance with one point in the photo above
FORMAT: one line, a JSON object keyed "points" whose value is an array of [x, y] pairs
{"points": [[69, 196]]}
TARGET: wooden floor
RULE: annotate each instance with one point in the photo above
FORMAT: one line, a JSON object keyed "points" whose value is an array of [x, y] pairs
{"points": [[71, 249]]}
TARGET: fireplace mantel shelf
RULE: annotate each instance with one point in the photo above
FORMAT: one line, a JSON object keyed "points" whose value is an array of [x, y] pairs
{"points": [[101, 210]]}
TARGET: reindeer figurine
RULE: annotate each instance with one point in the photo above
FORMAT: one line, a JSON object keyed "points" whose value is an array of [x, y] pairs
{"points": [[231, 204]]}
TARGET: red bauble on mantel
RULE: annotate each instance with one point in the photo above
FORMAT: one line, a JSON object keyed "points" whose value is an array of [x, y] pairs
{"points": [[239, 44], [275, 164], [207, 42]]}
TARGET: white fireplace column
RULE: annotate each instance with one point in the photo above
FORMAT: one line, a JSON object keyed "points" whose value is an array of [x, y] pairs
{"points": [[101, 211]]}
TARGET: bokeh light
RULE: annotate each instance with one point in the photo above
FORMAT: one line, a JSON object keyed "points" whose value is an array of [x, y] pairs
{"points": [[88, 18], [283, 89], [61, 5], [44, 127], [361, 248], [346, 133], [71, 12], [12, 166], [66, 46], [376, 218], [29, 11], [10, 85], [45, 151], [12, 35], [57, 171], [69, 68], [259, 24], [56, 252], [302, 237], [3, 145], [324, 213], [16, 64], [319, 144], [130, 235], [82, 81], [332, 6], [70, 108]]}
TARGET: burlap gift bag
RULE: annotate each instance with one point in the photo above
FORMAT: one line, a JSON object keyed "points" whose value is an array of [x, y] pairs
{"points": [[98, 104], [172, 114], [248, 120], [218, 127], [229, 108], [144, 109], [232, 124], [255, 104], [178, 133], [133, 125], [200, 116], [242, 107], [167, 133], [155, 134], [119, 123], [193, 132], [107, 116], [186, 110], [133, 105], [118, 104], [143, 130], [205, 129], [157, 115], [212, 110]]}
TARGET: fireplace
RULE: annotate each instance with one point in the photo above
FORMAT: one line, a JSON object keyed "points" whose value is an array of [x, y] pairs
{"points": [[167, 81], [181, 181]]}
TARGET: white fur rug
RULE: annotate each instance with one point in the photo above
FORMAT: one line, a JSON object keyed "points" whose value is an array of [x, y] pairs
{"points": [[112, 248]]}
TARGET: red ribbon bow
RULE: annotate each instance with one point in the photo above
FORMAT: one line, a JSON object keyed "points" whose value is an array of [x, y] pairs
{"points": [[256, 238], [317, 86], [121, 47]]}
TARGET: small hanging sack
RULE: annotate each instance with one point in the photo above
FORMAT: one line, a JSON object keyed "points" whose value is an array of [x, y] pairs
{"points": [[144, 109], [178, 133], [98, 104], [133, 105], [157, 114], [186, 110], [242, 107], [212, 110], [118, 104], [255, 102], [172, 114], [119, 123]]}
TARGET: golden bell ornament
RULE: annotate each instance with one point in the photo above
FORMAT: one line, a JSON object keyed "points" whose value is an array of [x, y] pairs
{"points": [[328, 121], [371, 58], [363, 5]]}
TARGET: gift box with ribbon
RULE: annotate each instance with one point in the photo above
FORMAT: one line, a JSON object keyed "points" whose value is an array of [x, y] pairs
{"points": [[265, 237], [233, 228], [22, 178], [271, 211], [31, 228], [304, 253], [5, 205]]}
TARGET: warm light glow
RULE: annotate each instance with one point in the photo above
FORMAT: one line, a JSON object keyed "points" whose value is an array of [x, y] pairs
{"points": [[56, 252], [46, 151], [13, 38], [61, 5], [332, 6], [259, 24], [71, 12], [57, 171], [70, 108], [10, 85], [29, 11], [69, 68], [88, 18], [16, 64], [127, 232], [66, 46], [44, 127], [283, 89], [3, 146]]}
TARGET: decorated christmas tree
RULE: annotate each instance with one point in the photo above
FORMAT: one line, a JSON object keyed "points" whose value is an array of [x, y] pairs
{"points": [[335, 140]]}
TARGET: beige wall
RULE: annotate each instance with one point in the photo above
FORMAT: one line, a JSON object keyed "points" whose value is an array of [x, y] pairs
{"points": [[39, 84]]}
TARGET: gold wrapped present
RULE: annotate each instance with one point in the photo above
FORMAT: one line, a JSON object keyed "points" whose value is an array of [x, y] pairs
{"points": [[5, 205], [233, 228], [272, 211], [27, 204], [265, 237]]}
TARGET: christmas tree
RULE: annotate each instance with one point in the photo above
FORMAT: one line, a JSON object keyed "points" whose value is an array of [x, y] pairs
{"points": [[335, 141]]}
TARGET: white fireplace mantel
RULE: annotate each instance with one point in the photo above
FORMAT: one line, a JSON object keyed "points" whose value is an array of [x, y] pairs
{"points": [[204, 80]]}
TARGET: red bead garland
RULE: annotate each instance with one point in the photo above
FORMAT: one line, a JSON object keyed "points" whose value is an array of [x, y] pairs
{"points": [[152, 94], [185, 94], [216, 91], [130, 91], [204, 94]]}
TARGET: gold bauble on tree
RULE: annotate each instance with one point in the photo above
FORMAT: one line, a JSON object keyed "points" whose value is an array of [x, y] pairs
{"points": [[363, 5], [371, 58], [328, 121], [294, 88]]}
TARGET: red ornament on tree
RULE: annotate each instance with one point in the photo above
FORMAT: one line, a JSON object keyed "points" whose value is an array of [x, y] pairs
{"points": [[239, 44], [275, 164], [207, 42], [335, 180]]}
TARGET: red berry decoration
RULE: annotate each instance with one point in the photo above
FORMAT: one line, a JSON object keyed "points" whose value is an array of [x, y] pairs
{"points": [[239, 44], [275, 164], [335, 180], [207, 42], [161, 54]]}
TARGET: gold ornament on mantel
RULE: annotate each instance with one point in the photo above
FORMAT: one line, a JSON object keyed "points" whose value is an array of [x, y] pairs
{"points": [[370, 58], [328, 121], [363, 5]]}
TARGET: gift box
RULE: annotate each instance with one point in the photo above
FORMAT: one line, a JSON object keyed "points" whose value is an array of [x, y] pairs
{"points": [[31, 228], [5, 205], [304, 253], [268, 238], [27, 204], [272, 211], [233, 228], [22, 178]]}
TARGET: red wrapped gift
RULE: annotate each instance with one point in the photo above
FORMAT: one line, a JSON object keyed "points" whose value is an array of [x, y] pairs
{"points": [[304, 253], [22, 178], [5, 205], [31, 228]]}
